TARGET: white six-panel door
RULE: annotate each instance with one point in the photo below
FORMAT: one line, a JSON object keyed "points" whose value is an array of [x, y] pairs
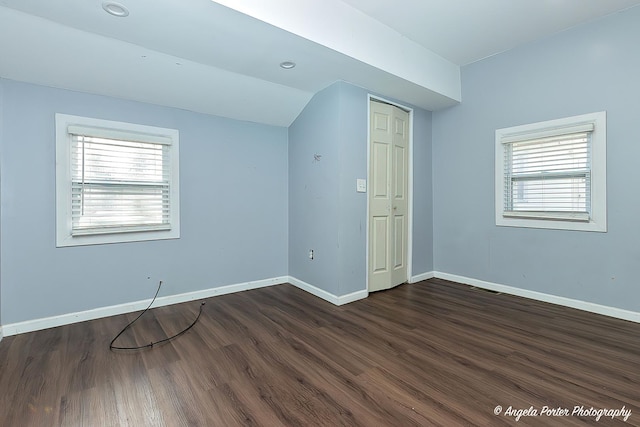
{"points": [[388, 196]]}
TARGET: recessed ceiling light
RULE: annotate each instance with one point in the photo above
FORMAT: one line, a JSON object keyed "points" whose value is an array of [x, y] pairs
{"points": [[115, 9], [287, 65]]}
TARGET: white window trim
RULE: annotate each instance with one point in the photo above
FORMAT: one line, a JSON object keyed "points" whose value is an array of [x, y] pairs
{"points": [[598, 220], [63, 181]]}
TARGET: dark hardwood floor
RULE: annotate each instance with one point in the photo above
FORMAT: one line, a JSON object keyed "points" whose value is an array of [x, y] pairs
{"points": [[432, 353]]}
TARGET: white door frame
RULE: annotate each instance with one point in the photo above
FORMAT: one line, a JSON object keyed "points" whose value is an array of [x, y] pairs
{"points": [[370, 98]]}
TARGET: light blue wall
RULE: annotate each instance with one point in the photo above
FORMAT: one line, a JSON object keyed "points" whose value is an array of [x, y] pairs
{"points": [[325, 211], [422, 192], [244, 189], [352, 223], [1, 206], [590, 68], [233, 209], [313, 191]]}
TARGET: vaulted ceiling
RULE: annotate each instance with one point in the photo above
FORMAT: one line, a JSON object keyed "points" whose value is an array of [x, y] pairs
{"points": [[223, 57]]}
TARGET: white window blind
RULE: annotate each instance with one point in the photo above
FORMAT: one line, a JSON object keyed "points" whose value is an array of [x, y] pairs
{"points": [[553, 174], [120, 182], [116, 182], [549, 177]]}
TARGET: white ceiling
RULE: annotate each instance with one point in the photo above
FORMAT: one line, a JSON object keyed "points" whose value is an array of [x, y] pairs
{"points": [[222, 57], [465, 31]]}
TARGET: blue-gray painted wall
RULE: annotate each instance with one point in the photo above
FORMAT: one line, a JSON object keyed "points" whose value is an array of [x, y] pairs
{"points": [[1, 204], [325, 211], [314, 184], [352, 207], [241, 199], [233, 197], [590, 68], [422, 237]]}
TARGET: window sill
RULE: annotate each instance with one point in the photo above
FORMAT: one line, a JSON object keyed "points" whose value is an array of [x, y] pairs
{"points": [[552, 224]]}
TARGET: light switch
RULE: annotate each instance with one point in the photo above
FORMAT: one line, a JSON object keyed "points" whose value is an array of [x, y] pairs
{"points": [[361, 185]]}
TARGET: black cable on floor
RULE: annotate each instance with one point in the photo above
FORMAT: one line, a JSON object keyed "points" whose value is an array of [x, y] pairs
{"points": [[151, 344]]}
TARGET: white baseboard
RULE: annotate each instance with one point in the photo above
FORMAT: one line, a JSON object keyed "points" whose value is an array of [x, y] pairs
{"points": [[420, 277], [353, 296], [65, 319], [96, 313], [618, 313], [327, 296], [1, 336]]}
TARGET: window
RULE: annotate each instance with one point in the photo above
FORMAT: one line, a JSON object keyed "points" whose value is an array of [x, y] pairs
{"points": [[553, 174], [115, 182]]}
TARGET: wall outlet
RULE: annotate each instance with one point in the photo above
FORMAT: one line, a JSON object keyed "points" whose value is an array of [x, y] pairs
{"points": [[310, 253]]}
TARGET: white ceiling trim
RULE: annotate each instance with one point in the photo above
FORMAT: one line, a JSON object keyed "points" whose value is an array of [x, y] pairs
{"points": [[358, 36]]}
